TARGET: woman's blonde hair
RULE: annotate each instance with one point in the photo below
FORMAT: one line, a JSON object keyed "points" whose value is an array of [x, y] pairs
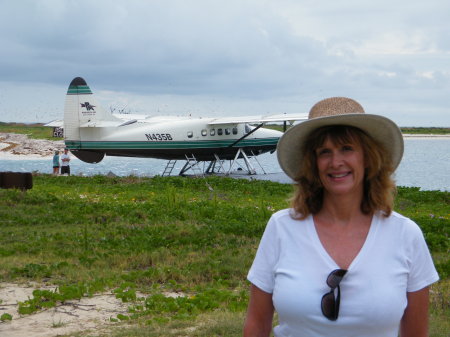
{"points": [[379, 187]]}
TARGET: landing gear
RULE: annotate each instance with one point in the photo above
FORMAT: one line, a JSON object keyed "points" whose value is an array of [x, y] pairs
{"points": [[241, 164]]}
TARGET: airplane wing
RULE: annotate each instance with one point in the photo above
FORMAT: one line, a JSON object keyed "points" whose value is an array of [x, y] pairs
{"points": [[129, 118], [126, 118], [57, 123], [260, 119]]}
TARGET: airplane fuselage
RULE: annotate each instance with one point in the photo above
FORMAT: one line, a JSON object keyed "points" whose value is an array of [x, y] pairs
{"points": [[174, 138]]}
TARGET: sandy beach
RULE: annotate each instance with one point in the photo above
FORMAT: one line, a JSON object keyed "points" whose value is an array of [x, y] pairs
{"points": [[425, 136]]}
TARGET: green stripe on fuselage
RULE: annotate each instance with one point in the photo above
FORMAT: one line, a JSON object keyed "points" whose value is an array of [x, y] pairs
{"points": [[99, 145], [79, 90]]}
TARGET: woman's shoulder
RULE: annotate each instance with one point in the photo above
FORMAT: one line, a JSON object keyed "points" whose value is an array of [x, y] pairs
{"points": [[287, 213], [395, 217], [281, 213], [283, 222], [399, 223], [286, 217]]}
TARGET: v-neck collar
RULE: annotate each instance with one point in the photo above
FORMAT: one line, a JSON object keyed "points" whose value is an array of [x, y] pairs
{"points": [[368, 242]]}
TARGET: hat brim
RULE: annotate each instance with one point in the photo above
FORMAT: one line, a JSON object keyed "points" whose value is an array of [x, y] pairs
{"points": [[382, 129]]}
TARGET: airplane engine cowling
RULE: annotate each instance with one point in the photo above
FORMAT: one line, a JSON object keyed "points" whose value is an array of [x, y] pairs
{"points": [[90, 157]]}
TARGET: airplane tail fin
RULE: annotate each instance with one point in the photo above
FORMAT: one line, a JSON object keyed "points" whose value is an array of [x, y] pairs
{"points": [[82, 110]]}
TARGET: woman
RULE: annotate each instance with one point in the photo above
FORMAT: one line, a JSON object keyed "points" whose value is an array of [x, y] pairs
{"points": [[56, 163], [340, 262]]}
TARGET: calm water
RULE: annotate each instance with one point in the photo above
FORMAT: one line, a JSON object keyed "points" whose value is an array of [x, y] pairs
{"points": [[425, 164]]}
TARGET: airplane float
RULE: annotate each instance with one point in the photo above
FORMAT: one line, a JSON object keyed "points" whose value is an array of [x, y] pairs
{"points": [[91, 132]]}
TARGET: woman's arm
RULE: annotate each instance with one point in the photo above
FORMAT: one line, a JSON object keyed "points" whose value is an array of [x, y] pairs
{"points": [[415, 319], [259, 314]]}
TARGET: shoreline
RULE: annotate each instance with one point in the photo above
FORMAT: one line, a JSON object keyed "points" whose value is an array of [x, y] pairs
{"points": [[14, 146], [425, 135], [11, 156]]}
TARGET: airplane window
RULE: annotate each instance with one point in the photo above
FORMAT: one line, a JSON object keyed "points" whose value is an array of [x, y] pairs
{"points": [[235, 130], [248, 128], [212, 132], [190, 134], [227, 131], [204, 132], [220, 132]]}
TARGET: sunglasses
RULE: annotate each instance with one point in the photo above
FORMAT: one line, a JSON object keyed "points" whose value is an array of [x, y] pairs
{"points": [[330, 303]]}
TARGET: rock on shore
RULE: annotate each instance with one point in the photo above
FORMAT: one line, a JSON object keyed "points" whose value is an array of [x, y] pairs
{"points": [[20, 145]]}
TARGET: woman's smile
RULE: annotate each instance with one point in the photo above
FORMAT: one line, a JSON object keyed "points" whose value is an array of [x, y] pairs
{"points": [[339, 175]]}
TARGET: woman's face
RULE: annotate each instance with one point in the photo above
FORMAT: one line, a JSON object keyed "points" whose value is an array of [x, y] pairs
{"points": [[341, 168]]}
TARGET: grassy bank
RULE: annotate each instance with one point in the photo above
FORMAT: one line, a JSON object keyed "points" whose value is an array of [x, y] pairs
{"points": [[38, 131], [152, 236], [35, 131], [431, 131], [405, 130]]}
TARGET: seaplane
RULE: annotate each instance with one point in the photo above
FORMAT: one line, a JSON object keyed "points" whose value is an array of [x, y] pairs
{"points": [[91, 133]]}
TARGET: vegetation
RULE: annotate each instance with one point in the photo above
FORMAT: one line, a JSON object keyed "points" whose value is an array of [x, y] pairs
{"points": [[435, 131], [405, 130], [144, 238], [36, 130]]}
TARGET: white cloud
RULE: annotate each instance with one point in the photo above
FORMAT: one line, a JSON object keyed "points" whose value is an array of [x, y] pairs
{"points": [[223, 57]]}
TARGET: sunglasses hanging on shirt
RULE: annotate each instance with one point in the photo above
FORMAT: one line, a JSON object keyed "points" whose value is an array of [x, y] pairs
{"points": [[330, 303]]}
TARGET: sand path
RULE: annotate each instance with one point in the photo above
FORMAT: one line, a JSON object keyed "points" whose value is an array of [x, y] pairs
{"points": [[77, 315]]}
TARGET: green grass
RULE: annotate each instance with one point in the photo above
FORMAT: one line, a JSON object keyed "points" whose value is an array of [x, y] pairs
{"points": [[431, 130], [155, 235], [407, 130], [35, 131], [38, 131]]}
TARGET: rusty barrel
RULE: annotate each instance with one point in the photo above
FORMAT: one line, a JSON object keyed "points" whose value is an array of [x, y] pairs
{"points": [[19, 180]]}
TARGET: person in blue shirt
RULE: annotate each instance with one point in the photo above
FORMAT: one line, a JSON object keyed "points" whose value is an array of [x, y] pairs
{"points": [[56, 163]]}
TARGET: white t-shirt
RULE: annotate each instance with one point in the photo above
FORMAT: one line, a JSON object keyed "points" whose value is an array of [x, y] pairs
{"points": [[292, 264], [65, 162]]}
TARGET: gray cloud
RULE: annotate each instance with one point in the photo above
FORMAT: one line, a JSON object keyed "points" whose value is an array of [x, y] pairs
{"points": [[283, 55]]}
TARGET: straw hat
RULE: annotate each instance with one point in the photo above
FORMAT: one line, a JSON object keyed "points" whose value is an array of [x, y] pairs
{"points": [[338, 111]]}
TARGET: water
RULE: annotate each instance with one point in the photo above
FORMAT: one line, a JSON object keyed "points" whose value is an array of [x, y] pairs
{"points": [[425, 164]]}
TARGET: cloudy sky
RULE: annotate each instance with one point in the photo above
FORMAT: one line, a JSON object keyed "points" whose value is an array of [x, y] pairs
{"points": [[234, 57]]}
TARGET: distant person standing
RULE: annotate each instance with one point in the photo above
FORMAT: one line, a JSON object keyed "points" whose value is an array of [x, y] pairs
{"points": [[65, 160], [56, 163]]}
